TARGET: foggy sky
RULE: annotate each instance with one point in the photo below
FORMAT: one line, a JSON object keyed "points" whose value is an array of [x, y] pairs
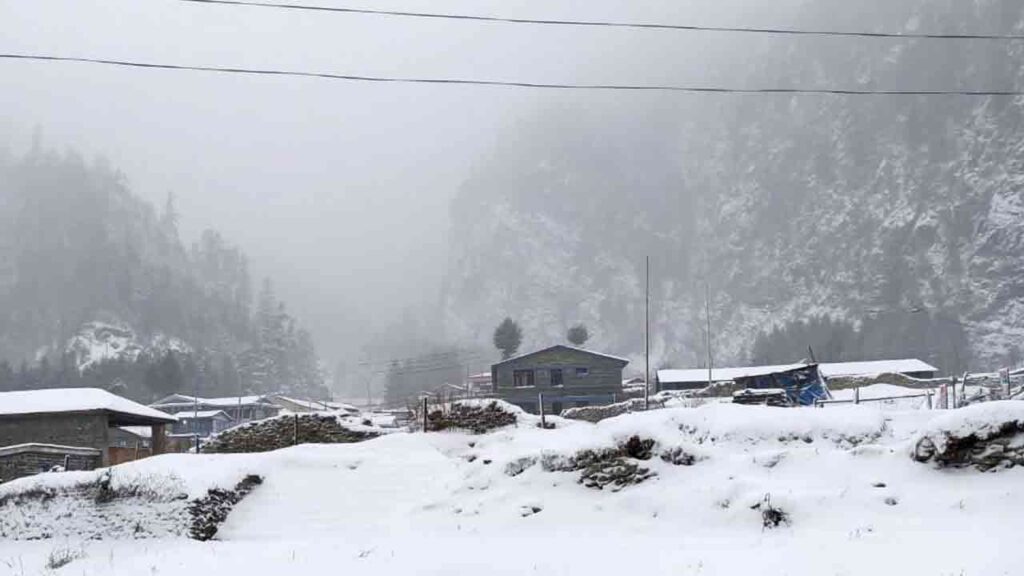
{"points": [[339, 191]]}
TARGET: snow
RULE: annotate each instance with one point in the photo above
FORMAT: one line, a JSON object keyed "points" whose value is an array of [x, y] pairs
{"points": [[140, 431], [827, 369], [444, 504], [55, 400], [96, 342]]}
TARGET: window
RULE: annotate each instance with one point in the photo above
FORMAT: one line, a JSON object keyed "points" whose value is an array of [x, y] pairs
{"points": [[522, 378], [556, 376], [582, 372]]}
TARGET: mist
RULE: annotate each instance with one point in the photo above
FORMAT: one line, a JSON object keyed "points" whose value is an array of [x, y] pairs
{"points": [[339, 191]]}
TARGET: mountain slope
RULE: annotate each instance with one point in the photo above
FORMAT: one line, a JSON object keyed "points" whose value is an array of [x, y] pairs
{"points": [[896, 216]]}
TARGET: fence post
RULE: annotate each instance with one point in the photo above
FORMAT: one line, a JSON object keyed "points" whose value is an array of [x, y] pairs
{"points": [[424, 414], [856, 395], [928, 396], [540, 405], [295, 430]]}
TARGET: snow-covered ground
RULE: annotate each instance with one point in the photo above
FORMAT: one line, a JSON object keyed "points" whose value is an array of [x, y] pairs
{"points": [[452, 503]]}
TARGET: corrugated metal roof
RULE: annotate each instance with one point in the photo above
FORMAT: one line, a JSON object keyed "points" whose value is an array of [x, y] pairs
{"points": [[827, 369]]}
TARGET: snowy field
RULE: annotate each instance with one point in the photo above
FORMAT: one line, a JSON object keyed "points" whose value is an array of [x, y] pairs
{"points": [[452, 503]]}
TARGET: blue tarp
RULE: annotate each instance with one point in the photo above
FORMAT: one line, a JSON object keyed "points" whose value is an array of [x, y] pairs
{"points": [[803, 385]]}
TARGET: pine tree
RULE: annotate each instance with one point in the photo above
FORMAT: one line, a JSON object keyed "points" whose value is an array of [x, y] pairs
{"points": [[578, 335], [507, 338]]}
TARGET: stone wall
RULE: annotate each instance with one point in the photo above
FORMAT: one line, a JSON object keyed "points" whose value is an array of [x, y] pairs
{"points": [[1003, 447], [289, 430], [86, 429], [598, 413], [29, 459]]}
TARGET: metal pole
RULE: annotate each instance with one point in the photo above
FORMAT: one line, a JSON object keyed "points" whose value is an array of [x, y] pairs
{"points": [[540, 404], [707, 318], [647, 334], [424, 414], [195, 411]]}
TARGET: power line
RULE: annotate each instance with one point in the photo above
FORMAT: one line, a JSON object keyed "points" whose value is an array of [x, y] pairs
{"points": [[612, 24], [506, 83]]}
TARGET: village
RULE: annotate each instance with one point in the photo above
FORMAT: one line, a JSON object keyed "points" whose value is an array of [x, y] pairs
{"points": [[766, 457], [84, 429], [461, 287]]}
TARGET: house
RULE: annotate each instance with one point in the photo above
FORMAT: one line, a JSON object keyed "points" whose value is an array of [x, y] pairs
{"points": [[697, 378], [567, 377], [128, 443], [300, 405], [478, 384], [239, 408], [75, 428], [202, 423]]}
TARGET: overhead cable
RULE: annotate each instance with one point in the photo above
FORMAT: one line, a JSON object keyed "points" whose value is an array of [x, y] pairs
{"points": [[612, 24], [508, 83]]}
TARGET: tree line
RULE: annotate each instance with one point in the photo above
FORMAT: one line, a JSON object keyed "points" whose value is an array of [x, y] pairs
{"points": [[78, 246]]}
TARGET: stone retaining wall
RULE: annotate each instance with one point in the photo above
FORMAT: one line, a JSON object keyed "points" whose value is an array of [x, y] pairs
{"points": [[29, 459], [289, 430]]}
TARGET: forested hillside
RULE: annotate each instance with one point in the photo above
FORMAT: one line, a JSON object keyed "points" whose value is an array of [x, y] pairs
{"points": [[864, 226], [98, 289]]}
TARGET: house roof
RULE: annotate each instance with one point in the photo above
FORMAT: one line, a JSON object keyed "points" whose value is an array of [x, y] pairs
{"points": [[176, 400], [203, 414], [64, 400], [565, 347], [314, 404], [827, 369]]}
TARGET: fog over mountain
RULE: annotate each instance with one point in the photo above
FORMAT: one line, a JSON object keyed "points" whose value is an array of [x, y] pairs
{"points": [[399, 220]]}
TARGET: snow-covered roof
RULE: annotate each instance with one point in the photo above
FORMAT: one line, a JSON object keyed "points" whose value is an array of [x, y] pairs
{"points": [[316, 404], [177, 400], [827, 369], [140, 431], [566, 347], [903, 366], [57, 400], [203, 414]]}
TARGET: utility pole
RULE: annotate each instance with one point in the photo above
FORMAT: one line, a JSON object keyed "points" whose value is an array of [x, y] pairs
{"points": [[647, 334], [195, 410], [707, 318]]}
